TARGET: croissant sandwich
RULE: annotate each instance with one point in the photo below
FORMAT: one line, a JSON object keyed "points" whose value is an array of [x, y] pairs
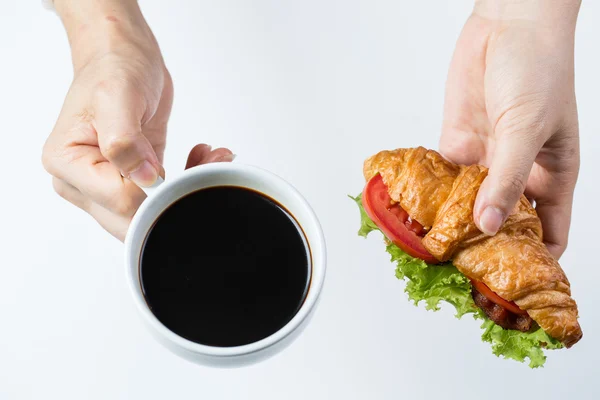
{"points": [[423, 204]]}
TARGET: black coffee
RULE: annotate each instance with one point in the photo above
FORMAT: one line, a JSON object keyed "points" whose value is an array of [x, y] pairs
{"points": [[225, 266]]}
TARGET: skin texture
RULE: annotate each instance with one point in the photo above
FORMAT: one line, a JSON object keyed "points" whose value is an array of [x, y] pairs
{"points": [[510, 105], [110, 136]]}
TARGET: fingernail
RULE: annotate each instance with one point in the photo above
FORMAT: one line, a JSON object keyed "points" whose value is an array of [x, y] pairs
{"points": [[145, 175], [226, 158], [491, 220]]}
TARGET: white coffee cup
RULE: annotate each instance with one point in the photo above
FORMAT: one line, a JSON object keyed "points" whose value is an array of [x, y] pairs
{"points": [[226, 174]]}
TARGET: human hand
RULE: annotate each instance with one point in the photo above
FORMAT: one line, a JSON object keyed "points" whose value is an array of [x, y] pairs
{"points": [[110, 136], [510, 105]]}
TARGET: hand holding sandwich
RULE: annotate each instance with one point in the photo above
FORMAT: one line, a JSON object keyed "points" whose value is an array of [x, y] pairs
{"points": [[510, 105]]}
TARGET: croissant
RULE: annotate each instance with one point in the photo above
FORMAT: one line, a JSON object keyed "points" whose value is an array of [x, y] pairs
{"points": [[514, 263]]}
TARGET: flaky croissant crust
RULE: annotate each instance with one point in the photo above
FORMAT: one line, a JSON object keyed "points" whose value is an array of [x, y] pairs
{"points": [[514, 263]]}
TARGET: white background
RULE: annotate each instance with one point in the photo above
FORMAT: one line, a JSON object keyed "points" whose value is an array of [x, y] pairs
{"points": [[306, 89]]}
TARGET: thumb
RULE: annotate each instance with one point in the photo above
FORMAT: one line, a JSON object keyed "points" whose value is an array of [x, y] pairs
{"points": [[511, 164], [117, 120]]}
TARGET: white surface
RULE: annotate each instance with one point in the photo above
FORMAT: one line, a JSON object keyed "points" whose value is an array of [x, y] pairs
{"points": [[306, 89], [218, 174]]}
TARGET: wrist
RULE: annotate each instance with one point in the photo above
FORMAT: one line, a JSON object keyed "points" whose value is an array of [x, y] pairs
{"points": [[555, 15], [99, 27]]}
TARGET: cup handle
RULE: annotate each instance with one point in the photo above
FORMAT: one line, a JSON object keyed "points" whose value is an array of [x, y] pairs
{"points": [[151, 189]]}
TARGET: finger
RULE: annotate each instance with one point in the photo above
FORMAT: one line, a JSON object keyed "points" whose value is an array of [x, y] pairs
{"points": [[462, 147], [511, 164], [197, 155], [84, 168], [70, 193], [203, 154], [155, 129], [220, 155], [555, 215], [115, 224], [117, 119], [465, 118]]}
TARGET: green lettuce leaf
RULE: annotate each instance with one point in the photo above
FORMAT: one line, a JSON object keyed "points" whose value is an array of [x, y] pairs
{"points": [[366, 225], [432, 284], [519, 345]]}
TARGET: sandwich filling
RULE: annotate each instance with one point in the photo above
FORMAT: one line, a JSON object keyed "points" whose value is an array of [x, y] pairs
{"points": [[432, 284], [423, 204], [407, 233], [500, 315]]}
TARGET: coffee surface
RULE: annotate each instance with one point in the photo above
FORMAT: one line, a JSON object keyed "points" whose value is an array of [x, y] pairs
{"points": [[225, 266]]}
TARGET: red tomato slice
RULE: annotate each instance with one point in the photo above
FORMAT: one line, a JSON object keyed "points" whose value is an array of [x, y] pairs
{"points": [[393, 221], [493, 297], [415, 226]]}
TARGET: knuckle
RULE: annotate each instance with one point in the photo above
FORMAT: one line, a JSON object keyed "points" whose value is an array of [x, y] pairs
{"points": [[47, 163], [48, 158], [105, 90], [512, 185], [539, 123], [557, 249], [567, 145], [70, 193], [528, 122], [118, 146], [564, 245], [60, 188], [120, 83], [123, 203], [113, 85], [168, 77], [168, 82], [124, 206]]}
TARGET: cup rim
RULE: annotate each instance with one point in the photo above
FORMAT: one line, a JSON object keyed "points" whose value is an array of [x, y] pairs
{"points": [[318, 262]]}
